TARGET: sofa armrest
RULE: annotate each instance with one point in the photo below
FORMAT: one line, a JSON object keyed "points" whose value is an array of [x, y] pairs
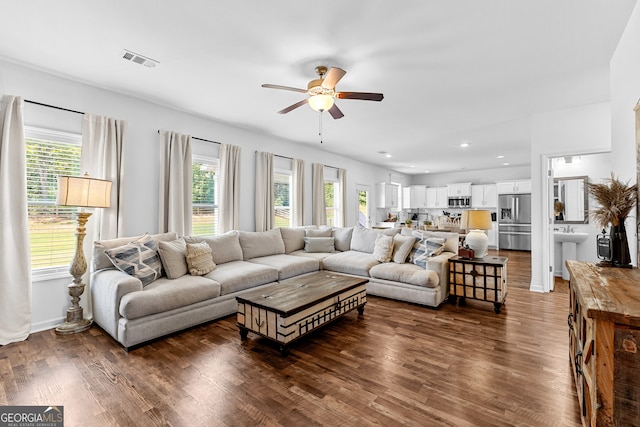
{"points": [[440, 264], [107, 289]]}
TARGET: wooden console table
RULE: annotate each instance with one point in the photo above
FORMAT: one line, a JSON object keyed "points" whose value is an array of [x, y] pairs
{"points": [[604, 342]]}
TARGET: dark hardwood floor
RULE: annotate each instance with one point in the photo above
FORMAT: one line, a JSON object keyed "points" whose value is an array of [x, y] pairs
{"points": [[398, 364]]}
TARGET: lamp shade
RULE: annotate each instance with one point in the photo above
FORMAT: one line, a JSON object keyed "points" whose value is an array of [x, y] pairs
{"points": [[479, 219], [83, 191], [321, 102]]}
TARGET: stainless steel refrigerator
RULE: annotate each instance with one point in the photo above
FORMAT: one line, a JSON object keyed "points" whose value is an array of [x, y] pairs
{"points": [[514, 221]]}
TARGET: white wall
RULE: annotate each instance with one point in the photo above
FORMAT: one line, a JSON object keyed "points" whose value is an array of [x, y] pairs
{"points": [[142, 157], [625, 93], [580, 130]]}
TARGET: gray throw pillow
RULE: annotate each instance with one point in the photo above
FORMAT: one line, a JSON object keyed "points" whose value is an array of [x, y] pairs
{"points": [[323, 232], [342, 237], [173, 258], [319, 244], [402, 246]]}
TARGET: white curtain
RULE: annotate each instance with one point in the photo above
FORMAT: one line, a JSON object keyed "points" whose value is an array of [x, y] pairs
{"points": [[265, 216], [103, 157], [229, 187], [175, 203], [341, 220], [319, 212], [636, 109], [15, 260], [297, 193]]}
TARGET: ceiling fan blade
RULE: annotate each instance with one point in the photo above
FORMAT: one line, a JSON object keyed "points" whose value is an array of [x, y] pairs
{"points": [[335, 112], [293, 107], [332, 77], [295, 89], [366, 96]]}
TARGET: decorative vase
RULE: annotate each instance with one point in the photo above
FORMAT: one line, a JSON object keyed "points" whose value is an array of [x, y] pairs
{"points": [[620, 256]]}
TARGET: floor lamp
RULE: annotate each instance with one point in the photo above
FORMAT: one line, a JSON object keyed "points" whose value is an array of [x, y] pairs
{"points": [[83, 192]]}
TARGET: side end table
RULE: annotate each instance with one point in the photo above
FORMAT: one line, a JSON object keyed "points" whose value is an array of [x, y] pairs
{"points": [[483, 279]]}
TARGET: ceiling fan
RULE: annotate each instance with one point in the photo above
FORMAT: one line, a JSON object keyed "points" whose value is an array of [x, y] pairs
{"points": [[322, 93]]}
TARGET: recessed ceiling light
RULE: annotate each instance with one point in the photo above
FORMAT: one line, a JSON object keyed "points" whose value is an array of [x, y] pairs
{"points": [[500, 157], [384, 153], [412, 166], [505, 164], [426, 171], [464, 145]]}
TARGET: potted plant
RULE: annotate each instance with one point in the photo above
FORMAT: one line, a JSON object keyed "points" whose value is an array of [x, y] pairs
{"points": [[616, 199], [408, 222]]}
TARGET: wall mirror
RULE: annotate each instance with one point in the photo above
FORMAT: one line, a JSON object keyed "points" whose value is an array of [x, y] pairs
{"points": [[571, 200]]}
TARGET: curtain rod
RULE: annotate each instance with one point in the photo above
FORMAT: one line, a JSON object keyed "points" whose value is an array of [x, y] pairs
{"points": [[291, 158], [201, 139], [53, 106]]}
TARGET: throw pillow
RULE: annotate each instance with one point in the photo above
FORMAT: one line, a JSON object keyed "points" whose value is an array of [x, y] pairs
{"points": [[383, 248], [342, 237], [139, 259], [319, 244], [172, 255], [326, 232], [427, 248], [199, 259], [402, 246], [225, 247], [363, 239]]}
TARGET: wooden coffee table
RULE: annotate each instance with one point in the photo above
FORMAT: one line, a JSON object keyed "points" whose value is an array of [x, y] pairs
{"points": [[292, 308]]}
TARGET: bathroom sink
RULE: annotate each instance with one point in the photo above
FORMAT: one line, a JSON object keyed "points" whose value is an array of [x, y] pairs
{"points": [[560, 237]]}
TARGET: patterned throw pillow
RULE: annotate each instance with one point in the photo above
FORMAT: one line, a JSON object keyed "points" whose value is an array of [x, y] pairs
{"points": [[427, 248], [383, 248], [199, 259], [139, 259]]}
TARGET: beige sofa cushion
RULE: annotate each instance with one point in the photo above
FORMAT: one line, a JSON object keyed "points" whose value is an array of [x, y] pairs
{"points": [[363, 239], [165, 294], [239, 275], [289, 265], [264, 243], [350, 262], [405, 273], [224, 247], [100, 261]]}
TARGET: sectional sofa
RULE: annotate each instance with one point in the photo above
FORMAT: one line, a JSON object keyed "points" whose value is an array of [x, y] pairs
{"points": [[133, 314]]}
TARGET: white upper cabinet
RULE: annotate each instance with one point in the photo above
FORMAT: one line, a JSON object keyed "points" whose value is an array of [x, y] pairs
{"points": [[484, 196], [437, 197], [418, 196], [387, 196], [462, 189], [514, 187]]}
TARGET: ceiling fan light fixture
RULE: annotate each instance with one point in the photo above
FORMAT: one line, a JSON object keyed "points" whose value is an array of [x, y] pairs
{"points": [[321, 102]]}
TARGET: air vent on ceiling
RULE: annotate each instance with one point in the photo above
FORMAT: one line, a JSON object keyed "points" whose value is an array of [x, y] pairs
{"points": [[139, 59]]}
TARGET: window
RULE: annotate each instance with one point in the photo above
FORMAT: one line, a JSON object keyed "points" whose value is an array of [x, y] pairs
{"points": [[282, 198], [51, 227], [330, 197], [205, 196]]}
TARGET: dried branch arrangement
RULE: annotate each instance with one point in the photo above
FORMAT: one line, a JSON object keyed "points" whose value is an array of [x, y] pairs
{"points": [[616, 199]]}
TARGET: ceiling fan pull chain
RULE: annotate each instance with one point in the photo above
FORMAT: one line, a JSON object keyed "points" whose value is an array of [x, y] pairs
{"points": [[320, 125]]}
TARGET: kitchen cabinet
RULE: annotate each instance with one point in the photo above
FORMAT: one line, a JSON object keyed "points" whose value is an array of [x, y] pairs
{"points": [[604, 336], [459, 190], [387, 196], [418, 196], [514, 187], [407, 200], [437, 197], [484, 196]]}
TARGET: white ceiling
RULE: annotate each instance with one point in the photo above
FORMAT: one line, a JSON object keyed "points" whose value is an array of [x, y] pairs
{"points": [[451, 71]]}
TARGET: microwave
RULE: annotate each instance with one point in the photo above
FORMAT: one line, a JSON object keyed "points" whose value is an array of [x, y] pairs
{"points": [[459, 202]]}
